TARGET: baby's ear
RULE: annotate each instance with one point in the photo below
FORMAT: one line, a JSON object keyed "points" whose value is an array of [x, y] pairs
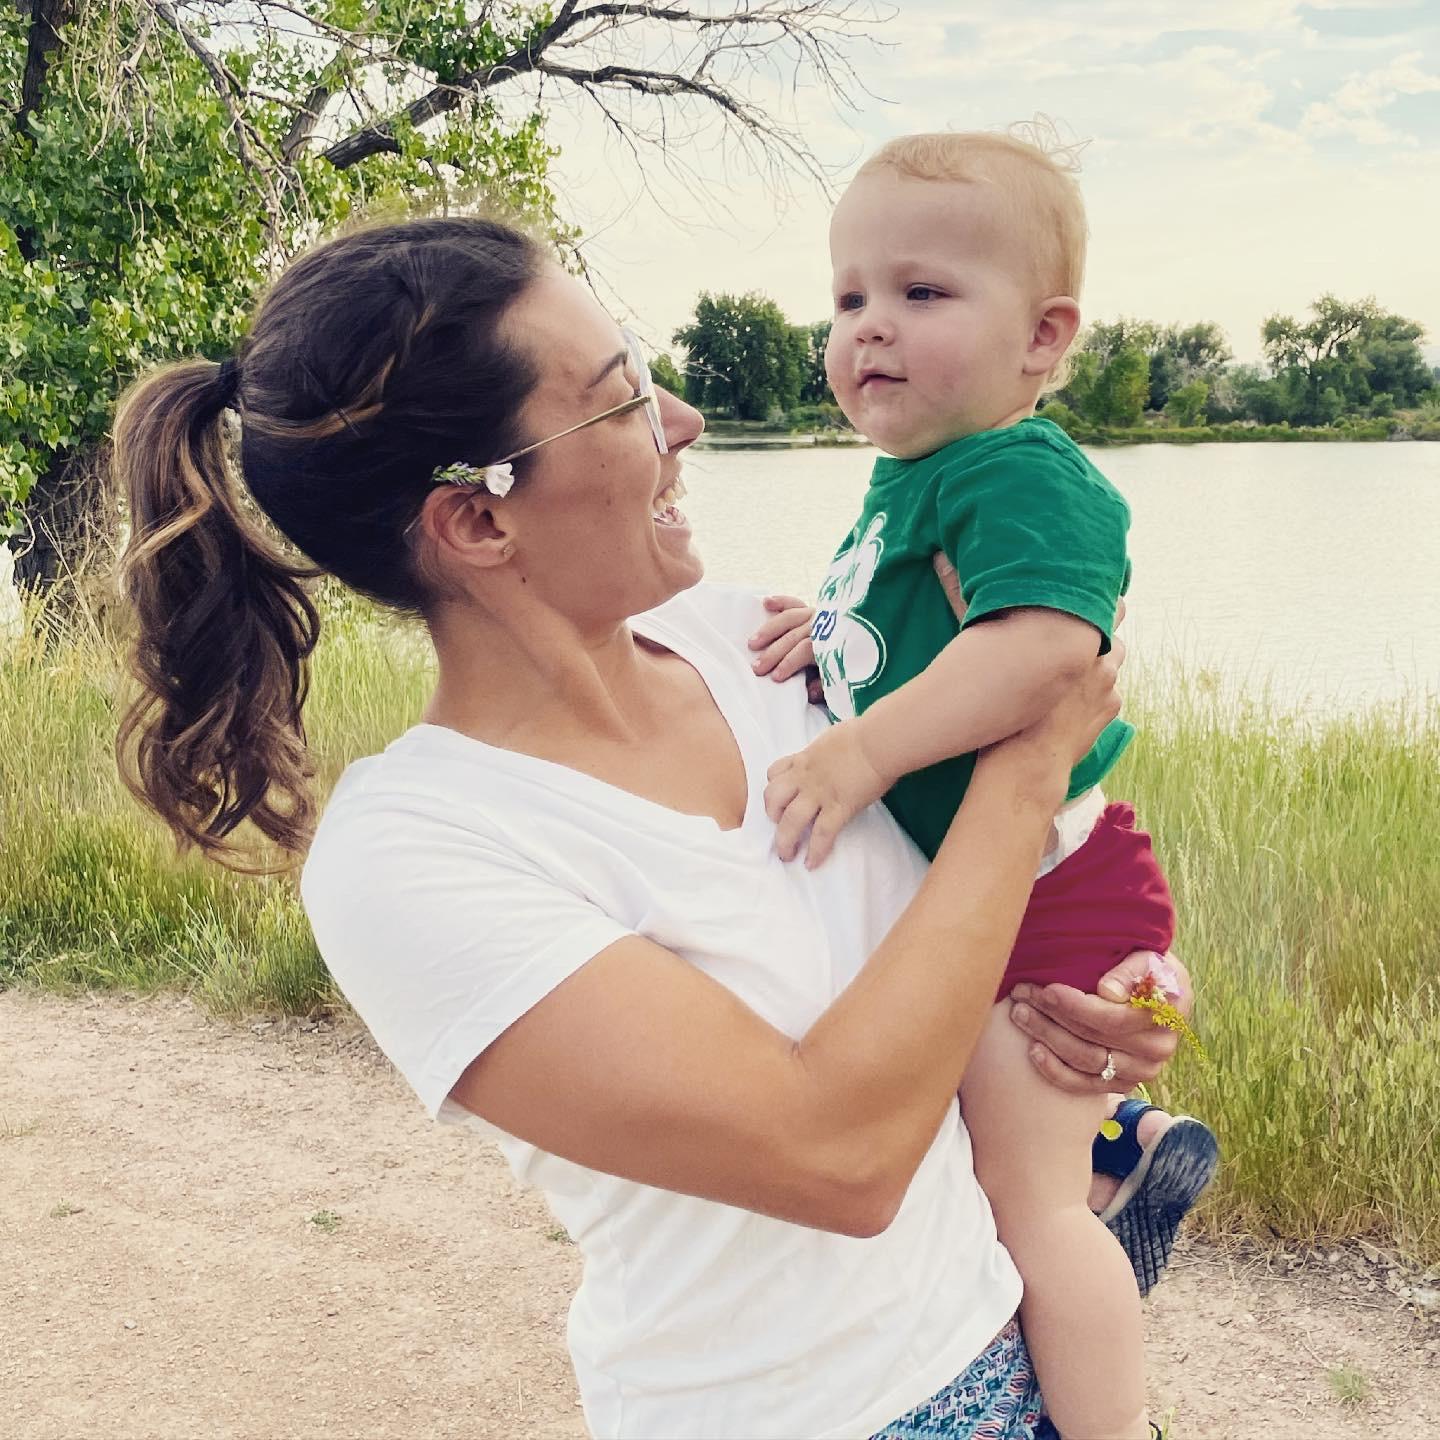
{"points": [[1056, 323]]}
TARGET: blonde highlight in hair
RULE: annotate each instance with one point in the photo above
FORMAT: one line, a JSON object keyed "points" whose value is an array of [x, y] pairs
{"points": [[1032, 173], [225, 633]]}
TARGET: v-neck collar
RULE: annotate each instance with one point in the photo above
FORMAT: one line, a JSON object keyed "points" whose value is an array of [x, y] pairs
{"points": [[724, 689]]}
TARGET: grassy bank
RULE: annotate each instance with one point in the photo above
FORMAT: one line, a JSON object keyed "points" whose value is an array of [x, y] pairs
{"points": [[1357, 429], [91, 890], [1238, 434], [1302, 856], [1304, 865]]}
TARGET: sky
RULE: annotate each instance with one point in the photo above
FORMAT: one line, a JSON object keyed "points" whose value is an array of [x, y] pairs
{"points": [[1243, 157]]}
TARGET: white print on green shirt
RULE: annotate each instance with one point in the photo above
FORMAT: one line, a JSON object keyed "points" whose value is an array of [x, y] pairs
{"points": [[849, 650]]}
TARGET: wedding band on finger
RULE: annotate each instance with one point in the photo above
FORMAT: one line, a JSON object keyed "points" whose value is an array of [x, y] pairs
{"points": [[1108, 1073]]}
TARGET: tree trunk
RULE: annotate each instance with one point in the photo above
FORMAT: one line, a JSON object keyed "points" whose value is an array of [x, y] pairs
{"points": [[46, 18], [71, 516]]}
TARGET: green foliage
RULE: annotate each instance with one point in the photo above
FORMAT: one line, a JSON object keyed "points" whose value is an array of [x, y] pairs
{"points": [[1348, 363], [1246, 392], [1186, 406], [1107, 339], [1182, 356], [744, 356], [1330, 406], [1308, 901], [1062, 415], [664, 374], [449, 43], [1341, 359], [91, 890], [1177, 355], [826, 415], [138, 223], [1121, 389], [1352, 428], [814, 384], [1079, 391], [1107, 386], [1349, 1384]]}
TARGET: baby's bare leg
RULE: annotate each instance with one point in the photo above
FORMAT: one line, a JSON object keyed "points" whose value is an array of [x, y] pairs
{"points": [[1081, 1311]]}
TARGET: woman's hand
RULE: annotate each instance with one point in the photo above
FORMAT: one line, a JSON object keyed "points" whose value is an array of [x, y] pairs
{"points": [[783, 638], [1075, 1034]]}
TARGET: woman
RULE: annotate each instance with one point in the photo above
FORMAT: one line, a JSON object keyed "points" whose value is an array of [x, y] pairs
{"points": [[555, 901]]}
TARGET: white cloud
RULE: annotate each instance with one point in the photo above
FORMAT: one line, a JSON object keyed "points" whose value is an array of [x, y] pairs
{"points": [[1322, 119], [1368, 93], [1354, 109]]}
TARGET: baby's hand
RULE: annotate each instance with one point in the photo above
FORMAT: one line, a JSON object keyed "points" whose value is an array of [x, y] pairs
{"points": [[783, 640], [822, 788]]}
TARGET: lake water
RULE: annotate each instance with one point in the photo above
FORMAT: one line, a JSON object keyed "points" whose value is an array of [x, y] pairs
{"points": [[1313, 568]]}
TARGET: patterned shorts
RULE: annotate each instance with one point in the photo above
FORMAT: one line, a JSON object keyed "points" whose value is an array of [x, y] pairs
{"points": [[995, 1399]]}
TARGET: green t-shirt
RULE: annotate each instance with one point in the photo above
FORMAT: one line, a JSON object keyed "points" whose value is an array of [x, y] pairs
{"points": [[1026, 520]]}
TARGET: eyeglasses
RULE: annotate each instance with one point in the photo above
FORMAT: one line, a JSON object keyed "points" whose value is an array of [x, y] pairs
{"points": [[496, 477], [644, 396]]}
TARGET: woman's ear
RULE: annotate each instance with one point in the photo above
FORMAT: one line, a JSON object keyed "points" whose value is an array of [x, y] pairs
{"points": [[469, 525], [1056, 326]]}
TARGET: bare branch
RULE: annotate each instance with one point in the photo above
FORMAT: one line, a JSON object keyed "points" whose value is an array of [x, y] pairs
{"points": [[749, 119], [656, 82], [302, 127], [131, 63], [813, 27], [374, 139]]}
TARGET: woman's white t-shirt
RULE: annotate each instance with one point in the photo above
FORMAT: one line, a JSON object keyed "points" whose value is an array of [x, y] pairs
{"points": [[452, 885]]}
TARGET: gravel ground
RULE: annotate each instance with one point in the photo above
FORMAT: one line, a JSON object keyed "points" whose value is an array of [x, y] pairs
{"points": [[251, 1231]]}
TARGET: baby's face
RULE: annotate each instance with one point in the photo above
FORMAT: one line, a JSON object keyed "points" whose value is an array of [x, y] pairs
{"points": [[933, 318]]}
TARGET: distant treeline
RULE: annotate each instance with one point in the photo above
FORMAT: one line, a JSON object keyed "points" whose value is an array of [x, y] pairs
{"points": [[1348, 369]]}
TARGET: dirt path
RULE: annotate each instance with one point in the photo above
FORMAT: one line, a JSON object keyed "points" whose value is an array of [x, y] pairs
{"points": [[216, 1230]]}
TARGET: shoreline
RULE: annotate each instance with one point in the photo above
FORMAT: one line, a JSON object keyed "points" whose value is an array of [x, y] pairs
{"points": [[1140, 435], [782, 440]]}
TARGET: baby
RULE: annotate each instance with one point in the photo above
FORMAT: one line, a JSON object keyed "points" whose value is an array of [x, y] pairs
{"points": [[957, 259]]}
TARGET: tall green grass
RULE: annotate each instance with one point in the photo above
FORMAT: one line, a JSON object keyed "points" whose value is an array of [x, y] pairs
{"points": [[92, 892], [1302, 854], [1304, 860]]}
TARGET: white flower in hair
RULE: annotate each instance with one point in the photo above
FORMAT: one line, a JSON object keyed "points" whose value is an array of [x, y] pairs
{"points": [[497, 479]]}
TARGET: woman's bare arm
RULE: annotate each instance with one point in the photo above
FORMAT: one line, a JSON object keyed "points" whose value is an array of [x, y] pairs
{"points": [[640, 1066]]}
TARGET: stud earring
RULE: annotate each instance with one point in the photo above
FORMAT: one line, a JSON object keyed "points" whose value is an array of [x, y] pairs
{"points": [[508, 549]]}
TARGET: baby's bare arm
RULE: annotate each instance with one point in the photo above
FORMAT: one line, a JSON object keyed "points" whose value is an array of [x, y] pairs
{"points": [[990, 682]]}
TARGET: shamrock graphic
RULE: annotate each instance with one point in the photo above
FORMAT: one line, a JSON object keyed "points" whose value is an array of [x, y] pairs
{"points": [[849, 651]]}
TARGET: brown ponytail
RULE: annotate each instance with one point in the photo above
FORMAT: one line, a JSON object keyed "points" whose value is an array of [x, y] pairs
{"points": [[225, 629], [375, 359]]}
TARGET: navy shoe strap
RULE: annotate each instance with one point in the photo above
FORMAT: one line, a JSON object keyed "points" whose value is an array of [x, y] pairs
{"points": [[1118, 1157]]}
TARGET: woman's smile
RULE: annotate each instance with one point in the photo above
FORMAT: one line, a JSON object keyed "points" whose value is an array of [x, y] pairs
{"points": [[664, 508]]}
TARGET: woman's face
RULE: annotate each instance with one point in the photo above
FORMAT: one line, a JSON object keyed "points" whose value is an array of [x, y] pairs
{"points": [[586, 518]]}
